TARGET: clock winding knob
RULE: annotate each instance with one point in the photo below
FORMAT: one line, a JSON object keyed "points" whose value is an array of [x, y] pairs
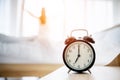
{"points": [[88, 39], [70, 40]]}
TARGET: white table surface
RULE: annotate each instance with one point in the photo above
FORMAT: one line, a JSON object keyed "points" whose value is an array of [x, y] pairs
{"points": [[97, 73]]}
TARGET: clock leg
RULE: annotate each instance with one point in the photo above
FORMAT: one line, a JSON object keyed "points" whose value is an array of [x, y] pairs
{"points": [[89, 71], [69, 70]]}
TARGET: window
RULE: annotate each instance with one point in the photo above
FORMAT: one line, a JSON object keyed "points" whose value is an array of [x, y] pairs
{"points": [[62, 16]]}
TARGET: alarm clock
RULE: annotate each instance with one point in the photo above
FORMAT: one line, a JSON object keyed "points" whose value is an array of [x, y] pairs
{"points": [[79, 54]]}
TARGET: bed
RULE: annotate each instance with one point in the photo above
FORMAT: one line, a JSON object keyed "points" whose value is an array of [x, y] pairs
{"points": [[38, 57], [28, 50]]}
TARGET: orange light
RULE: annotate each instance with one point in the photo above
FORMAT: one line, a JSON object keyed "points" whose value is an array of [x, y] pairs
{"points": [[43, 16]]}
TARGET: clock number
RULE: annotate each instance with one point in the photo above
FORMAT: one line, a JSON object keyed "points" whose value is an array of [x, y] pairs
{"points": [[78, 66], [90, 55], [84, 65], [88, 50], [69, 60], [84, 46], [73, 47], [70, 51], [67, 55], [88, 60]]}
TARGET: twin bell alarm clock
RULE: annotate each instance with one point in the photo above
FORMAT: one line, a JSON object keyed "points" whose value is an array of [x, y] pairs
{"points": [[79, 54]]}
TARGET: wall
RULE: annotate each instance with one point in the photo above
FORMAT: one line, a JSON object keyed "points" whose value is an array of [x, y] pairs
{"points": [[116, 11]]}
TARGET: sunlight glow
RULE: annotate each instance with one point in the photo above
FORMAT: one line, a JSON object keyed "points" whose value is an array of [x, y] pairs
{"points": [[62, 16]]}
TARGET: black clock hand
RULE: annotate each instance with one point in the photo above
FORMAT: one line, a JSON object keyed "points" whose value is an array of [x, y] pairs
{"points": [[76, 59], [78, 49], [78, 54]]}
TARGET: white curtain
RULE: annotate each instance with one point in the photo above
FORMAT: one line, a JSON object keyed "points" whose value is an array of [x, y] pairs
{"points": [[93, 15], [10, 14], [62, 16], [66, 15]]}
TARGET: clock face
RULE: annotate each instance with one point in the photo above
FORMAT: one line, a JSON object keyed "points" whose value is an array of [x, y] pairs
{"points": [[79, 56]]}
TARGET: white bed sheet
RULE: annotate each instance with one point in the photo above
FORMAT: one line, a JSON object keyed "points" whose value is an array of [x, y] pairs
{"points": [[30, 50]]}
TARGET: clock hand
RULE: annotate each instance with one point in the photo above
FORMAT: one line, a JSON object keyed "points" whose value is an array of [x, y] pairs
{"points": [[76, 59], [78, 54], [78, 49]]}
